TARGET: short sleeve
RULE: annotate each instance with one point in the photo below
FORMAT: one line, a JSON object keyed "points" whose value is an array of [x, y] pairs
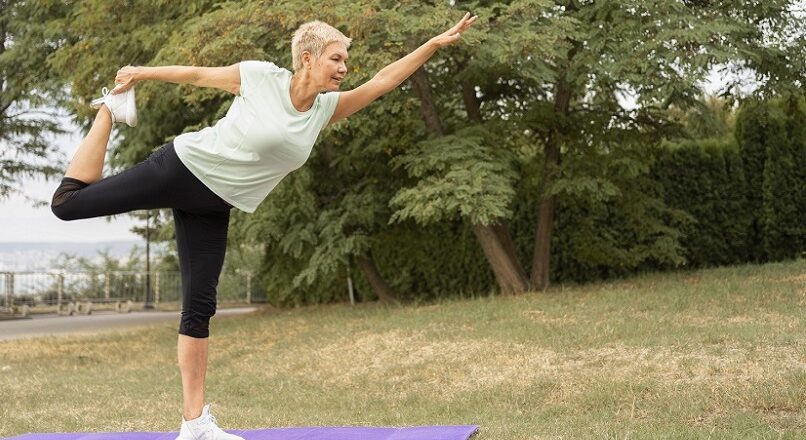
{"points": [[329, 101], [253, 73]]}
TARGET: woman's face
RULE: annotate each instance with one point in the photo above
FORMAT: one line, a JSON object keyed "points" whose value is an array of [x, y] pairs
{"points": [[330, 69]]}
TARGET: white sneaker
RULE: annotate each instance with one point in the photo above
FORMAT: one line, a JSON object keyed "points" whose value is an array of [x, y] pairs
{"points": [[121, 106], [204, 428]]}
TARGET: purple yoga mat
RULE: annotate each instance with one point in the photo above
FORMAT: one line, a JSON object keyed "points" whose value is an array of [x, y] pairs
{"points": [[461, 432]]}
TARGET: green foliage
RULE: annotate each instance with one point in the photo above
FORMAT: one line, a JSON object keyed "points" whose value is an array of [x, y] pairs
{"points": [[771, 138], [751, 135], [343, 231], [429, 263], [28, 92], [705, 179], [610, 224], [711, 117], [746, 201], [381, 185], [783, 220], [456, 175]]}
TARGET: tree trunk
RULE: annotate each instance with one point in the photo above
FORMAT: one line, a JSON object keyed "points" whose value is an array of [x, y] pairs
{"points": [[472, 104], [367, 266], [422, 87], [504, 237], [540, 275], [509, 279], [508, 272], [545, 221], [473, 107]]}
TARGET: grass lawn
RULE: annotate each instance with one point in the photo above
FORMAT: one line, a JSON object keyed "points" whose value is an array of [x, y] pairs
{"points": [[709, 354]]}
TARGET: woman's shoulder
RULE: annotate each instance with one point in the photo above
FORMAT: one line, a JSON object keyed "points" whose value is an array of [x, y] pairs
{"points": [[261, 66], [255, 74]]}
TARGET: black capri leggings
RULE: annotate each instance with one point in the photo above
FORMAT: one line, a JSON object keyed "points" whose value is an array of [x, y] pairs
{"points": [[200, 216]]}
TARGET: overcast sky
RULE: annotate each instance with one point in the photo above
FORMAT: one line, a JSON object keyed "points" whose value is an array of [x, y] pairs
{"points": [[19, 221]]}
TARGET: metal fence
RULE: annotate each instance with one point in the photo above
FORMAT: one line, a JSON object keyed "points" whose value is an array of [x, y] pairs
{"points": [[68, 291]]}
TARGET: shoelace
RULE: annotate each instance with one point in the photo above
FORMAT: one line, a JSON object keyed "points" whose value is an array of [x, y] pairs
{"points": [[209, 419], [104, 92]]}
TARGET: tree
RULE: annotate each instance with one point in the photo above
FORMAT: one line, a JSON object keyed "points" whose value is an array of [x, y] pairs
{"points": [[29, 91], [534, 92], [657, 51]]}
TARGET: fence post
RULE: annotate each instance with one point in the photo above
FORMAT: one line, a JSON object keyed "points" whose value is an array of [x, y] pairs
{"points": [[9, 289], [350, 292], [156, 288], [60, 290], [106, 285], [249, 287]]}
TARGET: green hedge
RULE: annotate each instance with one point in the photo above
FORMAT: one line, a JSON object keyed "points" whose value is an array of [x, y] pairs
{"points": [[706, 180], [746, 195]]}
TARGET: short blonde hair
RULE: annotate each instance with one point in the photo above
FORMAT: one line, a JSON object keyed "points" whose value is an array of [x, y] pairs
{"points": [[314, 36]]}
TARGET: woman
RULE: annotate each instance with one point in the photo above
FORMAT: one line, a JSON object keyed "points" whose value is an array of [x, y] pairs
{"points": [[268, 132]]}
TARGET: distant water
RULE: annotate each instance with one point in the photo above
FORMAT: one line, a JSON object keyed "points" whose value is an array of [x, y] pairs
{"points": [[32, 256]]}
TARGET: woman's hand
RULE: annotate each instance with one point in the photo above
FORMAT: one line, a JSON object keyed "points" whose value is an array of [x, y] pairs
{"points": [[125, 79], [452, 35]]}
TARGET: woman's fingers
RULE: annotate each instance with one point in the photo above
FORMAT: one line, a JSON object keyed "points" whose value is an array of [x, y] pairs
{"points": [[122, 85], [124, 79], [469, 21], [454, 33], [457, 26], [465, 23], [461, 23]]}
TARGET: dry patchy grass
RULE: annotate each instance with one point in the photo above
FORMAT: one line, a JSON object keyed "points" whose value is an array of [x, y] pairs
{"points": [[710, 354]]}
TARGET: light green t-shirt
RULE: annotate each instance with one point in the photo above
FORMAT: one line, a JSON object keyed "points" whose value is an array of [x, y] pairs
{"points": [[261, 139]]}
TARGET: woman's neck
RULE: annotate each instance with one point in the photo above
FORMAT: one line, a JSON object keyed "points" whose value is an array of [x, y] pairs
{"points": [[302, 93]]}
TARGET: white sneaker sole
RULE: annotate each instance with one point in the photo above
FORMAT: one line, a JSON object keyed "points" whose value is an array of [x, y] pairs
{"points": [[131, 109]]}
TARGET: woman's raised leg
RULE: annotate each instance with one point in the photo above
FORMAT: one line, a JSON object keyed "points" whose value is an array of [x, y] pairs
{"points": [[88, 162]]}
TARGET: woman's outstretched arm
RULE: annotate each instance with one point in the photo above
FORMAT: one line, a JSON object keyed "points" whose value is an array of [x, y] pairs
{"points": [[394, 74], [225, 78]]}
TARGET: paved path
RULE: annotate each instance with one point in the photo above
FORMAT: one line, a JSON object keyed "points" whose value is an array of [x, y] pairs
{"points": [[98, 322]]}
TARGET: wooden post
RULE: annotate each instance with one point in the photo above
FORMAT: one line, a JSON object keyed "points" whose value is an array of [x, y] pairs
{"points": [[106, 285], [9, 289], [249, 287], [350, 292], [60, 290], [156, 288]]}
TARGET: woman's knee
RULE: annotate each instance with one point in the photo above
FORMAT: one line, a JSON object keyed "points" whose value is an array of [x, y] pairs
{"points": [[196, 323], [64, 193], [63, 212]]}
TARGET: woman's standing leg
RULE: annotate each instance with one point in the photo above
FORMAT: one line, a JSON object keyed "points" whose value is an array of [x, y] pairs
{"points": [[192, 354], [201, 240], [88, 162]]}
